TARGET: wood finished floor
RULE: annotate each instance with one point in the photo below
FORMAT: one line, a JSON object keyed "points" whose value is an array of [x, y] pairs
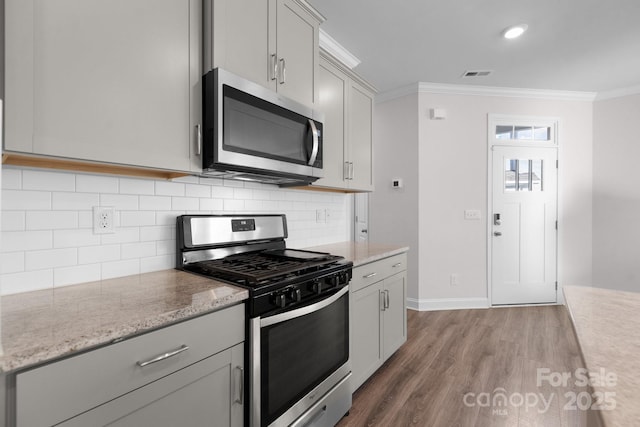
{"points": [[451, 353]]}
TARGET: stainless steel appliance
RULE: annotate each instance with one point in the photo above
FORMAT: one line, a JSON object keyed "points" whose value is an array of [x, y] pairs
{"points": [[252, 133], [298, 315]]}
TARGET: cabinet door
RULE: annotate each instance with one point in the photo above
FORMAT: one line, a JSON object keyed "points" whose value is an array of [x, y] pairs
{"points": [[331, 95], [366, 318], [394, 332], [360, 113], [207, 393], [236, 38], [105, 80], [297, 48]]}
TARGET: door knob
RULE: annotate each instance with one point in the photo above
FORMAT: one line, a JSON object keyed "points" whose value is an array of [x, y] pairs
{"points": [[497, 233]]}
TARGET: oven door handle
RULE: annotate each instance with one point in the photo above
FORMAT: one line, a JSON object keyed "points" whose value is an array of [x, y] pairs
{"points": [[283, 317]]}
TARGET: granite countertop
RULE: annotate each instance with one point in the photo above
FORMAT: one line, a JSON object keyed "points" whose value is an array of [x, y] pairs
{"points": [[607, 326], [42, 325], [361, 252]]}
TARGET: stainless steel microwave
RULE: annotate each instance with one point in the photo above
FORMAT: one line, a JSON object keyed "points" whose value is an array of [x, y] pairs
{"points": [[252, 133]]}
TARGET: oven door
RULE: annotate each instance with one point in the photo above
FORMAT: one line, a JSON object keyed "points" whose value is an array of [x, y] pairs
{"points": [[297, 359]]}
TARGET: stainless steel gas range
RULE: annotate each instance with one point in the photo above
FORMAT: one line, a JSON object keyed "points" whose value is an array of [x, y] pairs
{"points": [[297, 315]]}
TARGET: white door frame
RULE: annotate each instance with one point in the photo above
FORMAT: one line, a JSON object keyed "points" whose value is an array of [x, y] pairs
{"points": [[511, 119]]}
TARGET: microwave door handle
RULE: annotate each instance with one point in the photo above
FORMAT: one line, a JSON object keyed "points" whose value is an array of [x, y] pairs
{"points": [[316, 143]]}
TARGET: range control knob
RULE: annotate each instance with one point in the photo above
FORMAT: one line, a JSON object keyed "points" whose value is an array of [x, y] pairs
{"points": [[333, 281], [295, 295], [281, 300], [316, 286]]}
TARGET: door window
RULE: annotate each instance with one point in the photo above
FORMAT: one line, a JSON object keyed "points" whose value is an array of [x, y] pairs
{"points": [[523, 175]]}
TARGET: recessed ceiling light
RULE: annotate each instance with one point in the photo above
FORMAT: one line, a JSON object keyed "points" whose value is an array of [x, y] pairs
{"points": [[515, 31]]}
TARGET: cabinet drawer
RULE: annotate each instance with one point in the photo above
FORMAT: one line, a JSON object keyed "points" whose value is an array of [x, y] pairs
{"points": [[55, 392], [365, 275]]}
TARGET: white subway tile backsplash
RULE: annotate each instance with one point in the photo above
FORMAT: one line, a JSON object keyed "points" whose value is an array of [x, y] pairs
{"points": [[13, 241], [211, 204], [75, 201], [95, 254], [96, 184], [11, 178], [166, 188], [194, 190], [17, 200], [121, 202], [11, 262], [137, 218], [48, 181], [232, 205], [137, 186], [222, 192], [75, 238], [159, 232], [185, 204], [77, 274], [47, 230], [138, 250], [122, 235], [51, 258], [51, 220], [160, 262], [13, 221], [26, 281], [115, 269]]}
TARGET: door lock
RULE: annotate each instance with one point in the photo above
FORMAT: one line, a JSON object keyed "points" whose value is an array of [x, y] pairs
{"points": [[496, 219], [497, 233]]}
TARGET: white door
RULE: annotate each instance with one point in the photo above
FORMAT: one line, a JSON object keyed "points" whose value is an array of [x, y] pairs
{"points": [[361, 233], [523, 225]]}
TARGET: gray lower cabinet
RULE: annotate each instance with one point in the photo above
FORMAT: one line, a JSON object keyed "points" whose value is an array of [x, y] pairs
{"points": [[201, 384], [378, 314]]}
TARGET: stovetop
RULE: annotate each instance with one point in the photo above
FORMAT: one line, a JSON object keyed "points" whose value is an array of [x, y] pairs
{"points": [[257, 269]]}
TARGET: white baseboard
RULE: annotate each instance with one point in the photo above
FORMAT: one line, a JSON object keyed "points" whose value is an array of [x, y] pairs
{"points": [[446, 304]]}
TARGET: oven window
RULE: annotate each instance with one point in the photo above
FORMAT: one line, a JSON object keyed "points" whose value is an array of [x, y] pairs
{"points": [[298, 354]]}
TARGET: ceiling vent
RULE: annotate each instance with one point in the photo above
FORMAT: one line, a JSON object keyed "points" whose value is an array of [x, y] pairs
{"points": [[477, 73]]}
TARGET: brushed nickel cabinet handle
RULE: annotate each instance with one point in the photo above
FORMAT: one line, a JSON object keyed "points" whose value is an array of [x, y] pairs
{"points": [[370, 275], [273, 69], [387, 300], [240, 398], [283, 71], [164, 356], [383, 301], [396, 265], [198, 139]]}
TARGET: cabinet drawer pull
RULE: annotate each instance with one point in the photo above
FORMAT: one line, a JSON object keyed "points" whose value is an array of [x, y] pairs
{"points": [[370, 275], [386, 299], [396, 265], [283, 71], [164, 356], [198, 140]]}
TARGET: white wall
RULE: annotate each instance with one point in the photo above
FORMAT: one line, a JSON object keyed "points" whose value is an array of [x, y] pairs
{"points": [[453, 177], [616, 198], [48, 240], [394, 213]]}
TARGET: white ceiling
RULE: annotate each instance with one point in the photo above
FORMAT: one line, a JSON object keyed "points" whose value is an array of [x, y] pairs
{"points": [[577, 45]]}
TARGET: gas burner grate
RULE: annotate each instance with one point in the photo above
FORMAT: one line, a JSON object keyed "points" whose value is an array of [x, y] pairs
{"points": [[255, 268]]}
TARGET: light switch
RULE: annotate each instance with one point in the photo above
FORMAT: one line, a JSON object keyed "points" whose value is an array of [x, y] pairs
{"points": [[472, 214]]}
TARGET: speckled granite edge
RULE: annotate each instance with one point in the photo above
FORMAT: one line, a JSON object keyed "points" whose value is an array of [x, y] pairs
{"points": [[26, 346], [361, 253], [607, 326]]}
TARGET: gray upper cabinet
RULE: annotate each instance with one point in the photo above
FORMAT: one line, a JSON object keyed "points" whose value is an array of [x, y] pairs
{"points": [[347, 103], [271, 42], [107, 81]]}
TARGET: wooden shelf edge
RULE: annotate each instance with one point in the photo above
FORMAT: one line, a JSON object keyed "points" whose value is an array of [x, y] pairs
{"points": [[87, 166]]}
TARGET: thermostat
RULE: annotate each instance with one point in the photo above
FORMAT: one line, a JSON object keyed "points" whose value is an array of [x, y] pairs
{"points": [[396, 183]]}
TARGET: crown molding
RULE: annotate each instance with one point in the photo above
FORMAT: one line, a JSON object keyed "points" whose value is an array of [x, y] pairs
{"points": [[312, 10], [472, 90], [618, 93], [330, 45], [558, 95]]}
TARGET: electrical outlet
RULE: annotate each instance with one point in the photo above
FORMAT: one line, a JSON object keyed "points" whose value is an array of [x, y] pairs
{"points": [[321, 215], [454, 279], [104, 220], [472, 214]]}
